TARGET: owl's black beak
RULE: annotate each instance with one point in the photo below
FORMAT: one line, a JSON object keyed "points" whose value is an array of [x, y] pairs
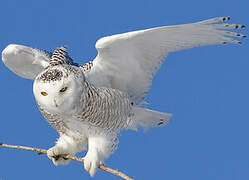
{"points": [[56, 105]]}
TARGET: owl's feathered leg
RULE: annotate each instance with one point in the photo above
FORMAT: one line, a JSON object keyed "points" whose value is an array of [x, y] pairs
{"points": [[100, 147], [65, 145]]}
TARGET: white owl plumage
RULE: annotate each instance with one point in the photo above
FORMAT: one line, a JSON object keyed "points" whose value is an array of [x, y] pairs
{"points": [[90, 104]]}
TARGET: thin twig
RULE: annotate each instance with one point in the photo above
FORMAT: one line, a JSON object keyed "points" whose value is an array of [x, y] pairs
{"points": [[72, 157]]}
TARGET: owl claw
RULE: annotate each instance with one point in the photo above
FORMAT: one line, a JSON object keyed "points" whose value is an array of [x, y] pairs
{"points": [[91, 163], [56, 154]]}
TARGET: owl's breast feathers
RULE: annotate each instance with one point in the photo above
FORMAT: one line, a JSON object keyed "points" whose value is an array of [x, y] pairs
{"points": [[106, 108]]}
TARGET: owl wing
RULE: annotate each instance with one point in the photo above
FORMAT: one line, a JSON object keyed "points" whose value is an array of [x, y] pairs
{"points": [[129, 61], [25, 61]]}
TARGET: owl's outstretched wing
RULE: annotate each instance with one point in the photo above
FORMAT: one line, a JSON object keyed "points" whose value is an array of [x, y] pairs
{"points": [[25, 61], [129, 61]]}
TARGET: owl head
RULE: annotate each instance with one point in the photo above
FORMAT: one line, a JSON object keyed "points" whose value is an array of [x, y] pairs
{"points": [[59, 87]]}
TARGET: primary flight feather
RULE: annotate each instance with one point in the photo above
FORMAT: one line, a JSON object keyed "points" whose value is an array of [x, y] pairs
{"points": [[88, 105]]}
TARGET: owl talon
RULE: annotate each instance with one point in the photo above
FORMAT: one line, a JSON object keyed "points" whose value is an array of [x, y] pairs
{"points": [[57, 155], [91, 163], [61, 156]]}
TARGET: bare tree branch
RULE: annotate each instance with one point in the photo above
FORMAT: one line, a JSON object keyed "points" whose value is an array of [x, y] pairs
{"points": [[72, 157]]}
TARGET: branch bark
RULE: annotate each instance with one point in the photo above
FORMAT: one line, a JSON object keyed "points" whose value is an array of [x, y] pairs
{"points": [[72, 157]]}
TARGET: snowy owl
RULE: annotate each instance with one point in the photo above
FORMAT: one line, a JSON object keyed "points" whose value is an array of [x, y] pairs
{"points": [[88, 105]]}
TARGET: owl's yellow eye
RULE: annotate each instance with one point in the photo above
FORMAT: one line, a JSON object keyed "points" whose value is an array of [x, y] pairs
{"points": [[44, 93], [63, 89]]}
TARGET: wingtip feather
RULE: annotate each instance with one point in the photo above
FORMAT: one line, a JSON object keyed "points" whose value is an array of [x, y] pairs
{"points": [[10, 49]]}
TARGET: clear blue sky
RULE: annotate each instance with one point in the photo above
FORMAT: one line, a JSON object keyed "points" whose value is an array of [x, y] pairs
{"points": [[205, 88]]}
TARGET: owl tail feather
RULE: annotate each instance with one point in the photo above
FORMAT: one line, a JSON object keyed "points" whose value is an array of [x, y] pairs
{"points": [[149, 118]]}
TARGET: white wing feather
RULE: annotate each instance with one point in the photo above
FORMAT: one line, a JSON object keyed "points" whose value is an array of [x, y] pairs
{"points": [[129, 61], [25, 61]]}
